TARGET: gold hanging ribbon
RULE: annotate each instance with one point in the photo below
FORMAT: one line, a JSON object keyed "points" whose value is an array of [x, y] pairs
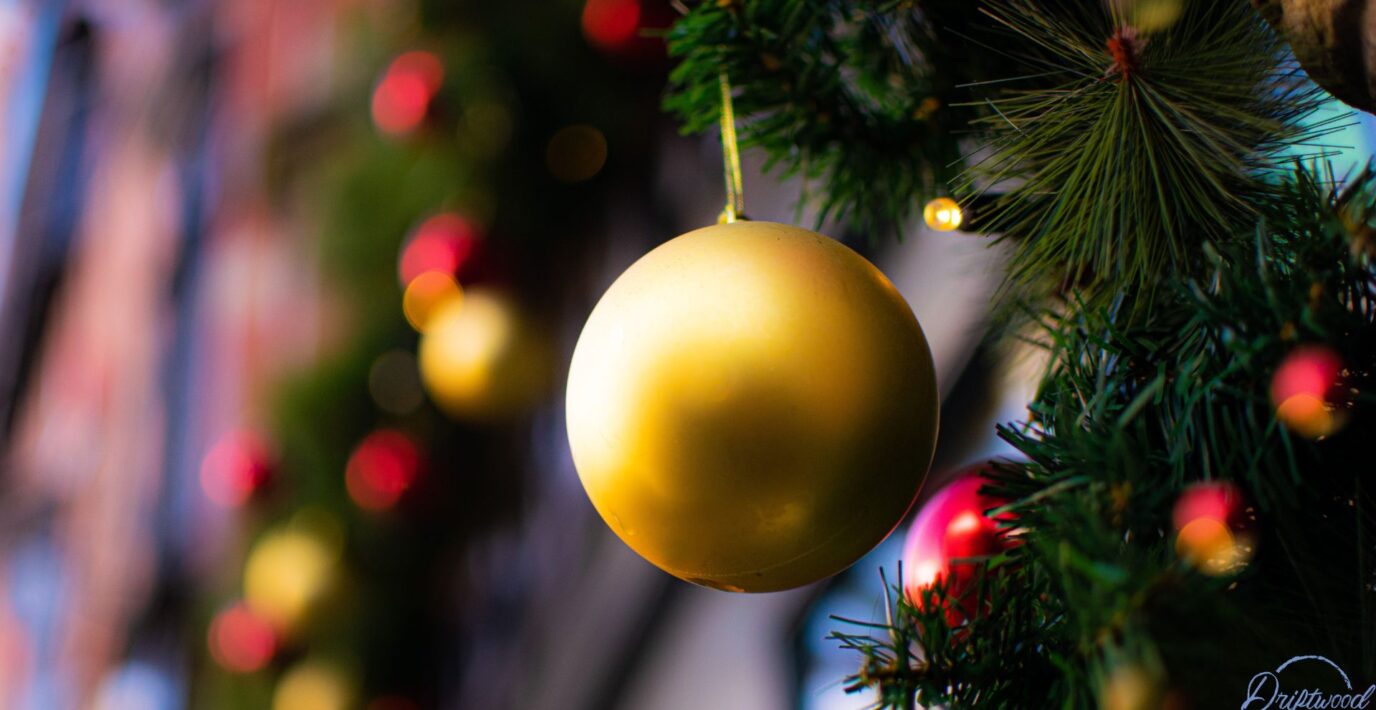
{"points": [[731, 158]]}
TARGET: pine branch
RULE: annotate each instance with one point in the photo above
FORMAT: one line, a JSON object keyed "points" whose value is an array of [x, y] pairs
{"points": [[856, 99], [1144, 148]]}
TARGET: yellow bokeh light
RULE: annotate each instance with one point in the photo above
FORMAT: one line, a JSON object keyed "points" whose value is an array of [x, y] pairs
{"points": [[313, 685], [424, 296], [1131, 687], [943, 214], [576, 153], [1210, 547], [481, 358], [287, 573]]}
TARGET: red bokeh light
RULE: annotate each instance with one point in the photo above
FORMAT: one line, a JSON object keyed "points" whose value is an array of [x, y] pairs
{"points": [[382, 468], [1311, 370], [1215, 500], [241, 641], [630, 32], [403, 95], [445, 243], [611, 24], [235, 468]]}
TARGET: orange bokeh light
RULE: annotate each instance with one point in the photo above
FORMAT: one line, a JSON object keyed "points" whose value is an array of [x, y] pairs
{"points": [[1212, 548], [241, 641], [403, 95], [424, 296], [382, 468], [235, 468]]}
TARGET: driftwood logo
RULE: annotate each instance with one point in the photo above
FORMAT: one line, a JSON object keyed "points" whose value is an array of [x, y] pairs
{"points": [[1265, 691]]}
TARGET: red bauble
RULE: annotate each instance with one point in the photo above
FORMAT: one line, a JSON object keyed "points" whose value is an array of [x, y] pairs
{"points": [[946, 540]]}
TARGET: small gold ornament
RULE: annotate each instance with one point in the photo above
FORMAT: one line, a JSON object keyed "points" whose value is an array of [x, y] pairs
{"points": [[943, 214]]}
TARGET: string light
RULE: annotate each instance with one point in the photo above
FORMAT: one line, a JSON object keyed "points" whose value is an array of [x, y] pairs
{"points": [[943, 214]]}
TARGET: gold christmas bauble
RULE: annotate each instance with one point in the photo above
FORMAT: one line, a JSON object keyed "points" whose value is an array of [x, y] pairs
{"points": [[752, 407], [482, 358], [1335, 42]]}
